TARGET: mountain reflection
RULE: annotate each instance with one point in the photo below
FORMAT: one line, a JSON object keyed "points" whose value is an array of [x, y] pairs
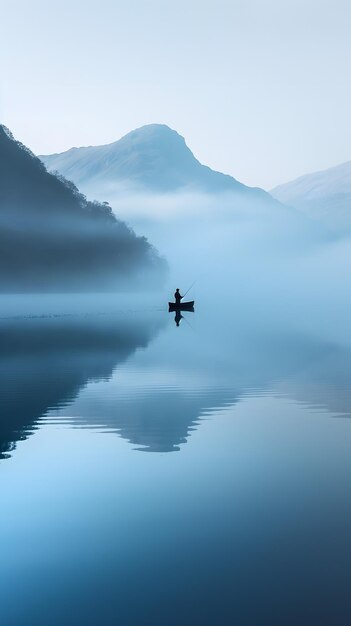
{"points": [[157, 402], [158, 398], [44, 363], [156, 420]]}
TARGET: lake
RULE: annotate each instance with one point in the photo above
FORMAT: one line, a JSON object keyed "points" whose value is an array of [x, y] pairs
{"points": [[155, 474]]}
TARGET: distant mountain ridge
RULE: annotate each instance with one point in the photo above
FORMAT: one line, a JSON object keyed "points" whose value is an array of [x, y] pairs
{"points": [[153, 158], [52, 237], [324, 195]]}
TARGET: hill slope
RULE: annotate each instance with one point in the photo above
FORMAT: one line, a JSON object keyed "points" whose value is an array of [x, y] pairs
{"points": [[52, 238], [153, 158], [324, 195]]}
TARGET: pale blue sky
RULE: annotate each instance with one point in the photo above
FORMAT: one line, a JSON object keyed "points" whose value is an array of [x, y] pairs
{"points": [[260, 89]]}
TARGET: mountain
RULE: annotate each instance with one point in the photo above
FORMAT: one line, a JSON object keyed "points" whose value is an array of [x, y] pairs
{"points": [[324, 195], [52, 238], [153, 158]]}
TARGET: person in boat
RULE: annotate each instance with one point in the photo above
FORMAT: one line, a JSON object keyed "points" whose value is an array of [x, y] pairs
{"points": [[177, 296]]}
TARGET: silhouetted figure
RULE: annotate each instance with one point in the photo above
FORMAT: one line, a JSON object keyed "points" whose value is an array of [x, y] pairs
{"points": [[178, 317], [177, 296]]}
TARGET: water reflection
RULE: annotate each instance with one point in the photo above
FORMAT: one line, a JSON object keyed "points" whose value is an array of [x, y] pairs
{"points": [[44, 363], [178, 316], [152, 420], [78, 371], [157, 399]]}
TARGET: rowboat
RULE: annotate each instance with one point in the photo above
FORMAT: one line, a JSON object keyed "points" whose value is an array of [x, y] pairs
{"points": [[182, 306]]}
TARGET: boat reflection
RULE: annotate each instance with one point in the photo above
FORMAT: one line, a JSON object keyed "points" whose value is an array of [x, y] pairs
{"points": [[178, 316], [178, 308]]}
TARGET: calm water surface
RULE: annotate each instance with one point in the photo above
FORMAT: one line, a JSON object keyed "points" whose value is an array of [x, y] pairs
{"points": [[159, 475]]}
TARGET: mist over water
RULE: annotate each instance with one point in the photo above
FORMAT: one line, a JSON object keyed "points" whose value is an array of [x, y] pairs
{"points": [[273, 265], [162, 474]]}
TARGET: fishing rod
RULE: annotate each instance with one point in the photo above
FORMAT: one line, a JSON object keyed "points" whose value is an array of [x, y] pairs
{"points": [[189, 289]]}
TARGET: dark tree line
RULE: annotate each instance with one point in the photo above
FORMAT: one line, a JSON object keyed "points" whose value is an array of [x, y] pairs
{"points": [[52, 237]]}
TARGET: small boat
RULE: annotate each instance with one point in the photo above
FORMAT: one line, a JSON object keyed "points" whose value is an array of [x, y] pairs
{"points": [[182, 306]]}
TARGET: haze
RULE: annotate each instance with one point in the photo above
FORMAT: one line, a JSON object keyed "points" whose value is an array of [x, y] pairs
{"points": [[259, 90]]}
